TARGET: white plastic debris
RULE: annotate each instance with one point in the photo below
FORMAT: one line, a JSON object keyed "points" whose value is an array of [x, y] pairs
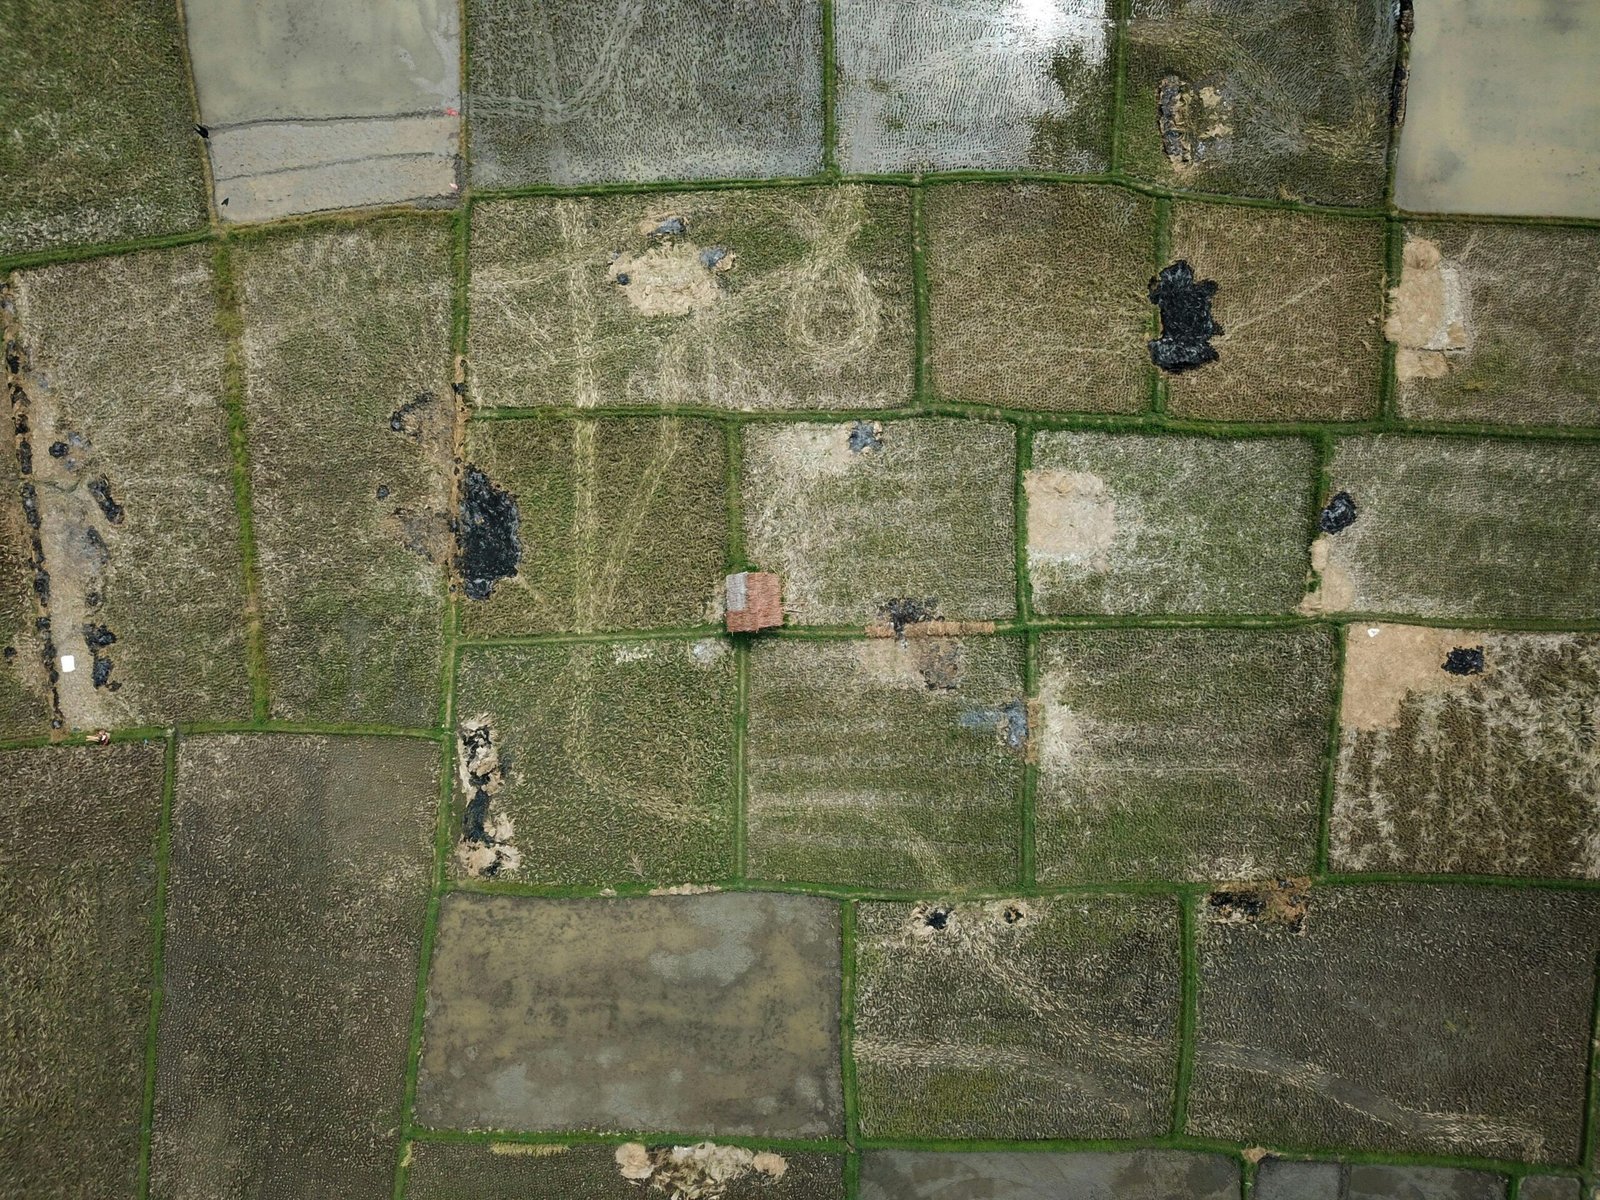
{"points": [[69, 664], [1373, 631]]}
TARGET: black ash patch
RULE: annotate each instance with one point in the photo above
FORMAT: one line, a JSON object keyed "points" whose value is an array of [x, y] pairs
{"points": [[864, 436], [1464, 660], [407, 419], [487, 541], [1339, 513], [1187, 326], [100, 489], [908, 610]]}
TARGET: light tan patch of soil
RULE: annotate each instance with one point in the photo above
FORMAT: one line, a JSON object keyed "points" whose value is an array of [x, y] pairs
{"points": [[1072, 517], [1335, 590], [1427, 313], [669, 280], [1383, 664]]}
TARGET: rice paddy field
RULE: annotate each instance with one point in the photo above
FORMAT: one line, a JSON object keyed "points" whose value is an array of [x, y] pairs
{"points": [[798, 600]]}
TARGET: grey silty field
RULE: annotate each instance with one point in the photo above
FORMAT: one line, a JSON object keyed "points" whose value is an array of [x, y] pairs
{"points": [[799, 600]]}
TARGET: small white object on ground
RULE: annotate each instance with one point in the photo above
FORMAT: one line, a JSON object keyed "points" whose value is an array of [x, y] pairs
{"points": [[69, 664]]}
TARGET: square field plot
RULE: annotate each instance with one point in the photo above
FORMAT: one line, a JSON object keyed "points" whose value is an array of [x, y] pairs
{"points": [[862, 517], [974, 85], [1499, 112], [1468, 751], [525, 1171], [570, 91], [1131, 523], [1476, 336], [618, 524], [116, 374], [1429, 1020], [1462, 527], [1285, 100], [1038, 295], [584, 764], [100, 144], [347, 385], [740, 300], [715, 1013], [1181, 754], [1017, 1019], [886, 762], [1027, 1175], [77, 896], [300, 875], [1299, 299]]}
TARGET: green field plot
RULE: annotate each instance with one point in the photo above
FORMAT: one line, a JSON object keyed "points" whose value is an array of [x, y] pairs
{"points": [[727, 299], [1017, 1018], [862, 515], [77, 891], [1299, 297], [1130, 523], [100, 145], [1430, 1020], [974, 86], [119, 382], [969, 1175], [347, 376], [569, 91], [1288, 100], [1037, 295], [1456, 527], [600, 763], [1476, 336], [886, 762], [621, 524], [1180, 754], [300, 875], [714, 1013], [1471, 751], [520, 1170]]}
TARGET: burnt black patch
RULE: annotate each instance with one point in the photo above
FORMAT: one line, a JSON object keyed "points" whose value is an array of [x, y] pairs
{"points": [[486, 536], [59, 449], [624, 278], [1465, 660], [908, 610], [100, 489], [1246, 904], [407, 419], [102, 671], [865, 435], [1187, 325], [936, 918], [1013, 914], [1339, 513], [712, 257], [671, 227], [98, 637]]}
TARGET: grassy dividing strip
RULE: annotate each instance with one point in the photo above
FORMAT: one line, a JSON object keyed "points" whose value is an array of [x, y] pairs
{"points": [[1247, 1176], [231, 322], [666, 633], [302, 727], [1119, 86], [72, 254], [1189, 902], [1330, 767], [157, 966], [741, 726], [922, 387], [830, 126], [1393, 249], [847, 1055], [1591, 1099]]}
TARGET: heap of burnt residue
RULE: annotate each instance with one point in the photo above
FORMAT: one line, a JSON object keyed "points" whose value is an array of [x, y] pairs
{"points": [[1009, 722], [407, 419], [99, 639], [1339, 513], [908, 610], [1282, 902], [1187, 326], [1464, 660], [485, 848], [865, 436], [487, 543]]}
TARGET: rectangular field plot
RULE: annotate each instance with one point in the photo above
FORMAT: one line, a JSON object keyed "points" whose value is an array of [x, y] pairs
{"points": [[1299, 298], [866, 519], [886, 762], [100, 144], [1462, 527], [77, 894], [985, 86], [1285, 100], [300, 875], [618, 524], [1476, 336], [1017, 1018], [1285, 1179], [1415, 1018], [1125, 1175], [347, 366], [1468, 751], [524, 1171], [1181, 754], [1131, 523], [764, 299], [597, 763], [713, 1013], [570, 91], [1038, 295], [119, 382]]}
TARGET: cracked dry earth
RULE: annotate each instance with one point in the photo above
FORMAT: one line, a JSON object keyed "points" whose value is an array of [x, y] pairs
{"points": [[850, 600]]}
